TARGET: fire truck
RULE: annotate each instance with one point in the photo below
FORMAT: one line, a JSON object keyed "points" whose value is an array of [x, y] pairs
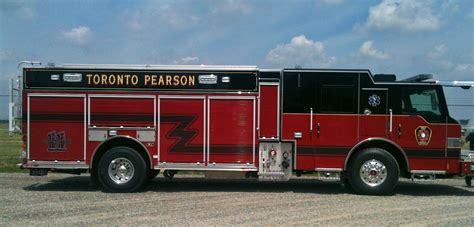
{"points": [[124, 124]]}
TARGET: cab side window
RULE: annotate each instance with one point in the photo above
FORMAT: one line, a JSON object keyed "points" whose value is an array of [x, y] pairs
{"points": [[423, 102], [338, 92]]}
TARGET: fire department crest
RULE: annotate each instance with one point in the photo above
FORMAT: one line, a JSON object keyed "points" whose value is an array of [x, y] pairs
{"points": [[374, 100], [423, 135]]}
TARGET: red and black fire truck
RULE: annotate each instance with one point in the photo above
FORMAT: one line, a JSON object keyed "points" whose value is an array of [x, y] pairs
{"points": [[126, 123]]}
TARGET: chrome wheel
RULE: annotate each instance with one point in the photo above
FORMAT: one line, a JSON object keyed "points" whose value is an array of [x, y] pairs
{"points": [[121, 170], [373, 173]]}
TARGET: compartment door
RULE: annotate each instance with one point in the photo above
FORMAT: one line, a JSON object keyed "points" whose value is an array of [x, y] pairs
{"points": [[56, 127], [269, 110], [182, 129], [231, 130]]}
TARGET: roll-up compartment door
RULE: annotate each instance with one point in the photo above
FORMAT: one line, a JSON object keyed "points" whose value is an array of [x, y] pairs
{"points": [[56, 127], [122, 110], [231, 130]]}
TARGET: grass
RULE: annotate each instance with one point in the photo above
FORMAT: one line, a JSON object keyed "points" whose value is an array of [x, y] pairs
{"points": [[10, 150]]}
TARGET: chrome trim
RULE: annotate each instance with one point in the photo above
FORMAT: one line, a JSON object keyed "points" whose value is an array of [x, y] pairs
{"points": [[374, 89], [202, 166], [390, 120], [55, 165], [208, 169], [311, 119], [146, 135], [427, 172], [160, 67], [179, 165], [329, 169], [56, 95], [97, 135], [269, 83], [254, 115], [376, 139], [204, 128], [125, 137]]}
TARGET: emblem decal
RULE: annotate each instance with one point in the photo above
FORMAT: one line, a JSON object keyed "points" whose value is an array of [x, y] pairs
{"points": [[423, 135], [56, 141], [374, 100]]}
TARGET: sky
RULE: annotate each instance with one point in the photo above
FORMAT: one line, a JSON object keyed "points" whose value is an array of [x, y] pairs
{"points": [[405, 37]]}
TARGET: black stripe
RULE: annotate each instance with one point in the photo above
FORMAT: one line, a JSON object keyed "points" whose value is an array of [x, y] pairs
{"points": [[224, 149], [122, 117], [425, 153], [323, 150], [57, 117]]}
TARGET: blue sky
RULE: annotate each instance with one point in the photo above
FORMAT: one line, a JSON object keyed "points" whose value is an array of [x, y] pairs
{"points": [[388, 36]]}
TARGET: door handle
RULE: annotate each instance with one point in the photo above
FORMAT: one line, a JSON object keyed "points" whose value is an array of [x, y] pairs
{"points": [[319, 129], [399, 130], [367, 112], [390, 121]]}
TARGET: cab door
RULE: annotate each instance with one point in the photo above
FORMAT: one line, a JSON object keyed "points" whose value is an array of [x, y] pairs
{"points": [[373, 120], [298, 120]]}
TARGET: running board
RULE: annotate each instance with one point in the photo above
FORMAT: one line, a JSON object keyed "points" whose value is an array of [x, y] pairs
{"points": [[328, 174]]}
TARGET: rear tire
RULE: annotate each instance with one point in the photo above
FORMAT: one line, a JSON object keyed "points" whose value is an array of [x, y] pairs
{"points": [[122, 169], [373, 171]]}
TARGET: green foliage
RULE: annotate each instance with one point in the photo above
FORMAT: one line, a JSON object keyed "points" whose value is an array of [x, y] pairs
{"points": [[10, 150]]}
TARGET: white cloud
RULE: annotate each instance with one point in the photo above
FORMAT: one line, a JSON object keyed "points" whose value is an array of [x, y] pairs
{"points": [[232, 6], [22, 9], [438, 51], [173, 17], [441, 60], [80, 35], [367, 49], [405, 15], [134, 24], [464, 68], [300, 51], [187, 60]]}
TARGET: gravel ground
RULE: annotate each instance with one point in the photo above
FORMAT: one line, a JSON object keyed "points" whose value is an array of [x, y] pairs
{"points": [[192, 200]]}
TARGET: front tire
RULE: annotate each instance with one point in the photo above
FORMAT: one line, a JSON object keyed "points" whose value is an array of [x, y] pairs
{"points": [[373, 171], [122, 169]]}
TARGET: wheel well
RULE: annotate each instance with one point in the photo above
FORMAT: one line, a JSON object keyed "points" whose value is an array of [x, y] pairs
{"points": [[397, 153], [118, 142]]}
